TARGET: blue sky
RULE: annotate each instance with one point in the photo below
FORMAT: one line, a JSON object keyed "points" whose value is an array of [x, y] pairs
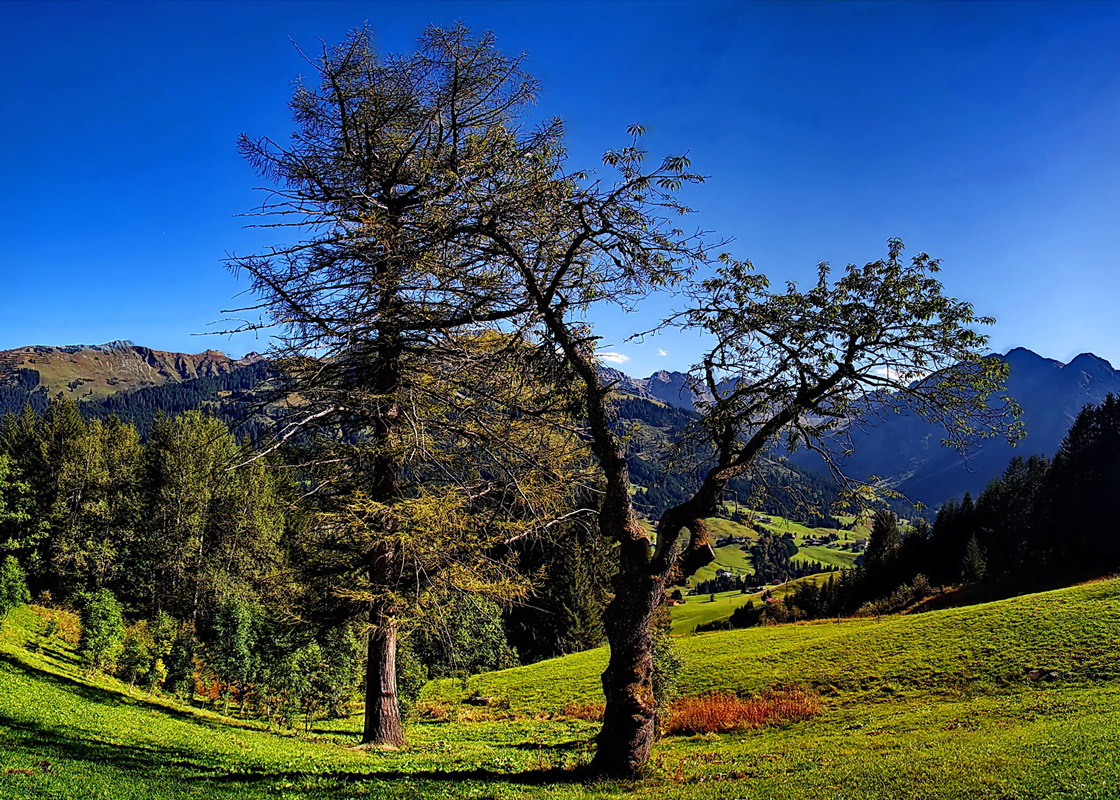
{"points": [[985, 134]]}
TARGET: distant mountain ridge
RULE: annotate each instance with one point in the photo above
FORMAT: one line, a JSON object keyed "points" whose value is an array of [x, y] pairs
{"points": [[662, 386], [906, 453], [94, 372], [135, 382]]}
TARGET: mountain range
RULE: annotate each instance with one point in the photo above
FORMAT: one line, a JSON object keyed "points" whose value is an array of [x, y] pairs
{"points": [[94, 372], [906, 452], [133, 381]]}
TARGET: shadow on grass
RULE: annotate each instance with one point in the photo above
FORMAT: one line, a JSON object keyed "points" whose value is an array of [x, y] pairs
{"points": [[96, 694], [143, 762], [52, 744], [536, 777]]}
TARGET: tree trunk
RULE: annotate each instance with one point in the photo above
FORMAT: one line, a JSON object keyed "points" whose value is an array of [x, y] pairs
{"points": [[630, 717], [382, 715], [629, 720]]}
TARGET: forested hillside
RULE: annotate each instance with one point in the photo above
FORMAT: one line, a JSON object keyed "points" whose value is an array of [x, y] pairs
{"points": [[906, 453]]}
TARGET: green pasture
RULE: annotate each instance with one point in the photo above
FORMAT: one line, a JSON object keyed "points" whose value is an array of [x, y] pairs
{"points": [[935, 705]]}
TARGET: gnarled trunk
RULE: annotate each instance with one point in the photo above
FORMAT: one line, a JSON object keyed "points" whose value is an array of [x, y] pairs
{"points": [[629, 720], [382, 726], [630, 717]]}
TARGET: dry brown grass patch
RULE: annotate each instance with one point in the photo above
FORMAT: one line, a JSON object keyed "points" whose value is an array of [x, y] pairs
{"points": [[720, 713], [433, 710], [591, 712]]}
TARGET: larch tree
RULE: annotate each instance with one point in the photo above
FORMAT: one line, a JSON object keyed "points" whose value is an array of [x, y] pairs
{"points": [[381, 309]]}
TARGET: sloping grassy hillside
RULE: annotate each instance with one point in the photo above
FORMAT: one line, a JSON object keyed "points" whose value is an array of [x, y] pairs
{"points": [[1075, 632], [927, 706], [735, 559], [698, 609]]}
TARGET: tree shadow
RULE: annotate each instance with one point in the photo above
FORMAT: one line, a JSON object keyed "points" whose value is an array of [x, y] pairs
{"points": [[141, 761], [52, 744], [144, 761], [96, 694], [571, 744], [536, 777]]}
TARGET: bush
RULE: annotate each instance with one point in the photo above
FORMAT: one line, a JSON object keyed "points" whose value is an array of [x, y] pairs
{"points": [[720, 713], [13, 586], [411, 677], [138, 655], [102, 631]]}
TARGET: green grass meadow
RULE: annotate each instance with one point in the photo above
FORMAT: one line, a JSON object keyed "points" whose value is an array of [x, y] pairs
{"points": [[699, 610], [936, 705]]}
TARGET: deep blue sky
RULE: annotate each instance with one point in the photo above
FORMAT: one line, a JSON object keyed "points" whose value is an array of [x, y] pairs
{"points": [[985, 134]]}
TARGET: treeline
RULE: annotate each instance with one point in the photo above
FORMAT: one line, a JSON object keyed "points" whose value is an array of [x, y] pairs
{"points": [[227, 396], [1043, 523], [183, 555], [171, 525], [772, 559]]}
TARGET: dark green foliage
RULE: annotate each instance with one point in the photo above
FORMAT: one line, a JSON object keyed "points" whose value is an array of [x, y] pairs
{"points": [[563, 613], [231, 646], [885, 540], [973, 566], [463, 637], [136, 662], [180, 662], [102, 630], [228, 396], [771, 556], [411, 677], [170, 526]]}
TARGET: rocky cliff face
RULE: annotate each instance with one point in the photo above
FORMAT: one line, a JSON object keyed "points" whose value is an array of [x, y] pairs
{"points": [[666, 387]]}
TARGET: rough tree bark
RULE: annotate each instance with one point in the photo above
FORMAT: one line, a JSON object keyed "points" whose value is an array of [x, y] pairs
{"points": [[382, 723]]}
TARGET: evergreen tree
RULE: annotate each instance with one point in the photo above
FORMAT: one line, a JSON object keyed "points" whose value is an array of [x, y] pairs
{"points": [[102, 631], [885, 540], [973, 565]]}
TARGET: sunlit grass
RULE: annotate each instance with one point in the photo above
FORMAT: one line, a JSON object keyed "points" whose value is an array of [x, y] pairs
{"points": [[927, 706]]}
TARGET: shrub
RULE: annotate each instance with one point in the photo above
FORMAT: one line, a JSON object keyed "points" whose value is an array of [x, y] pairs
{"points": [[138, 659], [412, 674], [720, 713], [13, 586]]}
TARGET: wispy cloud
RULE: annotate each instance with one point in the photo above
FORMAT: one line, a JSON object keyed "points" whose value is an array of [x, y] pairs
{"points": [[897, 375], [661, 352], [614, 358]]}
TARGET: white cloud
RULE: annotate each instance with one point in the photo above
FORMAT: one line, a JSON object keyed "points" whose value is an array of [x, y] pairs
{"points": [[614, 358], [896, 375], [661, 352]]}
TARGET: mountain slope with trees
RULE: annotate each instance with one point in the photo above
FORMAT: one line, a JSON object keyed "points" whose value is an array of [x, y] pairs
{"points": [[907, 453]]}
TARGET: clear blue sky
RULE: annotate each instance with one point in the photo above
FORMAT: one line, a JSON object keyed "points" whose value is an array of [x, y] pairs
{"points": [[985, 134]]}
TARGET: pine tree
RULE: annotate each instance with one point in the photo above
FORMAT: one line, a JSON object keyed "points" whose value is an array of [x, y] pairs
{"points": [[973, 566]]}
